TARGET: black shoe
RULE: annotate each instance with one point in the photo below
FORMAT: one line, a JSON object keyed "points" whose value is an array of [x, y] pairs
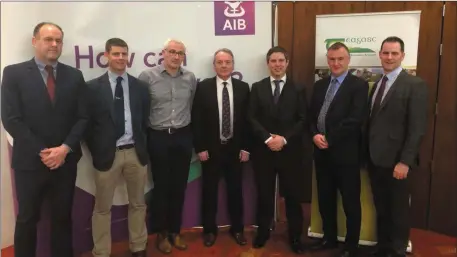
{"points": [[297, 246], [325, 245], [209, 239], [239, 238], [260, 240]]}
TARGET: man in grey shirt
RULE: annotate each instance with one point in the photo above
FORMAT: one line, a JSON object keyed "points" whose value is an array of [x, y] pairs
{"points": [[171, 90]]}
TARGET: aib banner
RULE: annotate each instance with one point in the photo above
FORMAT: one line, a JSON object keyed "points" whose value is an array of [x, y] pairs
{"points": [[363, 34], [204, 27]]}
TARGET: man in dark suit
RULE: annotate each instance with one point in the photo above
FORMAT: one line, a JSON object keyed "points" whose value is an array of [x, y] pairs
{"points": [[396, 126], [219, 124], [338, 108], [277, 114], [116, 138], [44, 110]]}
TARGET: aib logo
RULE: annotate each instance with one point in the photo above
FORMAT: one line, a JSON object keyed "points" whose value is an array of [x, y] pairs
{"points": [[234, 18]]}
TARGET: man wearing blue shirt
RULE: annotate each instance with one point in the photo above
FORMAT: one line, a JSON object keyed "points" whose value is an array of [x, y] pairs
{"points": [[338, 109], [116, 137]]}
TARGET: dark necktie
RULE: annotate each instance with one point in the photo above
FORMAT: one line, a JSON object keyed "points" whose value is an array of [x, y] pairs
{"points": [[378, 99], [119, 108], [277, 91], [50, 82], [225, 112], [328, 100]]}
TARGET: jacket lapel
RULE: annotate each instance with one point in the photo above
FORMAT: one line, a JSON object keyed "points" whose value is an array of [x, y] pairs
{"points": [[392, 89], [213, 97], [133, 99], [60, 83], [107, 93], [37, 78]]}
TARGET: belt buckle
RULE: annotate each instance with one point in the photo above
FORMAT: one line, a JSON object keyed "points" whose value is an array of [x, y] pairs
{"points": [[224, 142]]}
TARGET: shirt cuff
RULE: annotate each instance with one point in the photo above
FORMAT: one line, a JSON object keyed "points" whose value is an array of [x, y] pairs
{"points": [[268, 140], [285, 141], [245, 151], [69, 148]]}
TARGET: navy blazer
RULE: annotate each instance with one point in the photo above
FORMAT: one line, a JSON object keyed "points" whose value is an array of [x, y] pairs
{"points": [[101, 133], [34, 121]]}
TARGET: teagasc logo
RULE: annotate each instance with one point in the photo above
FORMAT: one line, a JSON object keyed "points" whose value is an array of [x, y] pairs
{"points": [[234, 18], [354, 44]]}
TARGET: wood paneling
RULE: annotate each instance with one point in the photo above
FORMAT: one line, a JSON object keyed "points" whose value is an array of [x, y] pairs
{"points": [[286, 29], [443, 200]]}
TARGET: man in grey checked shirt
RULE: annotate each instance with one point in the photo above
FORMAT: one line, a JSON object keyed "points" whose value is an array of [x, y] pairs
{"points": [[171, 89]]}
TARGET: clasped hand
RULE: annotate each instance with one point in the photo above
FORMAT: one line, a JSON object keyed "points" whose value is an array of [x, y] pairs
{"points": [[276, 142], [54, 157]]}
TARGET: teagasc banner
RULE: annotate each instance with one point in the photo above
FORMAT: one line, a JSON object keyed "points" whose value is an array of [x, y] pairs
{"points": [[363, 34], [204, 27]]}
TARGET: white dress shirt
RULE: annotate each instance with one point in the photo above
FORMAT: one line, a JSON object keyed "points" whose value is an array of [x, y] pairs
{"points": [[220, 88]]}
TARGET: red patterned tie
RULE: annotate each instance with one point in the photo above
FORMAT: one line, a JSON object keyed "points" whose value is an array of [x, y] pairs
{"points": [[50, 83]]}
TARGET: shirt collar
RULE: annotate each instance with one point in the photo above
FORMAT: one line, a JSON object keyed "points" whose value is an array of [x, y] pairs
{"points": [[41, 65], [393, 74], [340, 78], [113, 76], [219, 80], [284, 78], [162, 69]]}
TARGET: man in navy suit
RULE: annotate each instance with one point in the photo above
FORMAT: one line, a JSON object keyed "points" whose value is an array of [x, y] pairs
{"points": [[44, 110], [116, 137], [338, 108]]}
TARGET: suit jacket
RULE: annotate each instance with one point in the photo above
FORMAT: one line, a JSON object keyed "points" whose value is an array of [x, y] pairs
{"points": [[344, 120], [205, 116], [395, 132], [34, 121], [101, 133], [287, 118]]}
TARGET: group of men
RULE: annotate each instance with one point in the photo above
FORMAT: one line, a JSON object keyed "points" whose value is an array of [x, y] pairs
{"points": [[159, 118]]}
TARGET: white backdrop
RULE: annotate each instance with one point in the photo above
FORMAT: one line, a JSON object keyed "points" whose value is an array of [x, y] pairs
{"points": [[145, 26]]}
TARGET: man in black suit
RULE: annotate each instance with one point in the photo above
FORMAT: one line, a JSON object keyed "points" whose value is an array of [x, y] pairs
{"points": [[116, 138], [338, 108], [277, 114], [44, 110], [219, 125], [396, 126]]}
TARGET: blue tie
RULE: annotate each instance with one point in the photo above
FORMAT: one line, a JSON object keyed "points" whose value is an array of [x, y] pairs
{"points": [[119, 108], [328, 100], [277, 91]]}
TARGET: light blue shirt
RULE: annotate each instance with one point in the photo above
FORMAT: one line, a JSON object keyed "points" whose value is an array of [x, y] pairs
{"points": [[339, 80], [391, 77], [44, 73], [127, 138]]}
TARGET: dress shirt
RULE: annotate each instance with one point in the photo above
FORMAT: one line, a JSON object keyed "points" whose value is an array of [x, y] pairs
{"points": [[171, 97], [127, 138]]}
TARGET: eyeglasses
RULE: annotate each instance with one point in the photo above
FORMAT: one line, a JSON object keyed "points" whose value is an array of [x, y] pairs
{"points": [[173, 52]]}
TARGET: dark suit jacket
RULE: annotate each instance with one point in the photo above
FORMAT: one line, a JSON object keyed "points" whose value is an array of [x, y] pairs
{"points": [[205, 116], [344, 120], [101, 132], [34, 121], [395, 132]]}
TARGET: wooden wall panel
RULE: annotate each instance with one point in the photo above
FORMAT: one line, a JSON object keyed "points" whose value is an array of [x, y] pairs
{"points": [[286, 29], [443, 200]]}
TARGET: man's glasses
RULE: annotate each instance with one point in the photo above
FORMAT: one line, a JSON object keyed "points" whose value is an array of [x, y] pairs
{"points": [[173, 52]]}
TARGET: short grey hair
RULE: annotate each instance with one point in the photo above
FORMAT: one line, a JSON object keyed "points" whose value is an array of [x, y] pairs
{"points": [[168, 41], [223, 50]]}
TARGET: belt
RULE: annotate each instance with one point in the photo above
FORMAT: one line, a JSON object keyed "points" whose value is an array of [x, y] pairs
{"points": [[125, 147], [170, 130]]}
